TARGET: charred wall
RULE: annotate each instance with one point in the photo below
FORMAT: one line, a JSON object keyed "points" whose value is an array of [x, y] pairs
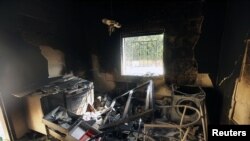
{"points": [[22, 66], [236, 31], [208, 47], [78, 31], [180, 22]]}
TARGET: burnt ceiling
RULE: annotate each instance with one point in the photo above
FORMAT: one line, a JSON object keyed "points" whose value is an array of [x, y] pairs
{"points": [[50, 22]]}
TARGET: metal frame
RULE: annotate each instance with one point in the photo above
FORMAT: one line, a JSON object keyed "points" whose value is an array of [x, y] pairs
{"points": [[180, 126], [202, 106], [149, 106]]}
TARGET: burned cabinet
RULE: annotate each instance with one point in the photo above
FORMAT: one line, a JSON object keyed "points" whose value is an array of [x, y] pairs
{"points": [[72, 93], [76, 102], [35, 113]]}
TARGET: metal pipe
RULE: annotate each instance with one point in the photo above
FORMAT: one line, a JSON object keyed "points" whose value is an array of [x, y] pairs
{"points": [[182, 116], [127, 104], [185, 135]]}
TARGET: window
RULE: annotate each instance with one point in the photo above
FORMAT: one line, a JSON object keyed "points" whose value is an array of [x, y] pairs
{"points": [[142, 55]]}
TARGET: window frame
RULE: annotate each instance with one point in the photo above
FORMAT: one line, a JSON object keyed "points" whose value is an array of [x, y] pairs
{"points": [[136, 34]]}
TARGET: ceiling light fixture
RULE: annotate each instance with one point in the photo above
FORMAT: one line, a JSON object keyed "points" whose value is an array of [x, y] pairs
{"points": [[112, 24]]}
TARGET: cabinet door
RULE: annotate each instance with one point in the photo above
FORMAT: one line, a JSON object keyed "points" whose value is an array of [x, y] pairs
{"points": [[35, 114]]}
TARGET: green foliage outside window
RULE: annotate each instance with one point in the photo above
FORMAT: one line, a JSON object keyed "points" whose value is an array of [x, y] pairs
{"points": [[143, 48]]}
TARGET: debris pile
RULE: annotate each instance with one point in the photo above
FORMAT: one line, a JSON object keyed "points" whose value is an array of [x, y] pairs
{"points": [[137, 116]]}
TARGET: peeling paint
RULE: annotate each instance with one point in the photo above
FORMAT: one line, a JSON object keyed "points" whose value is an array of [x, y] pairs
{"points": [[204, 80], [56, 61]]}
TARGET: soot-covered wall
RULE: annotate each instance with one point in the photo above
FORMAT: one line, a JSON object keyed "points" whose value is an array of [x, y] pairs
{"points": [[77, 30], [236, 32], [22, 66], [181, 23]]}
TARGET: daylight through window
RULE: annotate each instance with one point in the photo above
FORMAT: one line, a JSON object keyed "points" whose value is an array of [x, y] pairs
{"points": [[142, 55]]}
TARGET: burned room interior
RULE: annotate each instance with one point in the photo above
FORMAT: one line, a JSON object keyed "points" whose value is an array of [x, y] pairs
{"points": [[75, 70]]}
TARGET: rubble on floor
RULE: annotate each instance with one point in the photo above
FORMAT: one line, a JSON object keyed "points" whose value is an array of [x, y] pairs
{"points": [[72, 113], [136, 116]]}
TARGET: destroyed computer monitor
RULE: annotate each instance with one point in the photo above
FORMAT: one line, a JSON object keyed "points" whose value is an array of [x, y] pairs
{"points": [[134, 104]]}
